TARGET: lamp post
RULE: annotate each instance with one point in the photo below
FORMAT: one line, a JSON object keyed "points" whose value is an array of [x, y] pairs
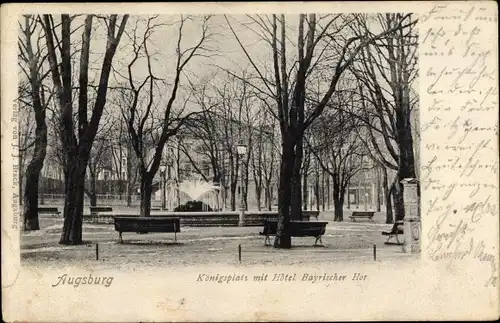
{"points": [[162, 184], [241, 150], [366, 201]]}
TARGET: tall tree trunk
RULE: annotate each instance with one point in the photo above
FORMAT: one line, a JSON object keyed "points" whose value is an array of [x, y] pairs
{"points": [[406, 162], [316, 189], [348, 197], [327, 192], [266, 197], [73, 202], [146, 192], [283, 239], [258, 195], [269, 192], [244, 187], [338, 209], [92, 193], [304, 189], [378, 188], [323, 190], [233, 196], [338, 199], [33, 173], [389, 218], [129, 195], [128, 182], [397, 194], [296, 187]]}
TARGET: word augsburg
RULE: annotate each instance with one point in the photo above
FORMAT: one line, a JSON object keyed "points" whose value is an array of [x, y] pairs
{"points": [[76, 281]]}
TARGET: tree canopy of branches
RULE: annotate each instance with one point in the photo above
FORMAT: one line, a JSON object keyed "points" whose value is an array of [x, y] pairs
{"points": [[385, 73], [337, 148], [149, 124]]}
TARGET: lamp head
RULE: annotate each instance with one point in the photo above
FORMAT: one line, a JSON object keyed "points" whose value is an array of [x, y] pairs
{"points": [[241, 149]]}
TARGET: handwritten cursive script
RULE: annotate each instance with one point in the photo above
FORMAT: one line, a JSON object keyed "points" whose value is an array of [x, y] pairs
{"points": [[460, 165]]}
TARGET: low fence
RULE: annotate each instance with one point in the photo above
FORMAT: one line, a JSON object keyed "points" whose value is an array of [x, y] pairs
{"points": [[102, 199], [256, 254], [245, 254], [203, 219]]}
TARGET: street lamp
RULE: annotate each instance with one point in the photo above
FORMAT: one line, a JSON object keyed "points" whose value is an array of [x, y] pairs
{"points": [[162, 184], [241, 150]]}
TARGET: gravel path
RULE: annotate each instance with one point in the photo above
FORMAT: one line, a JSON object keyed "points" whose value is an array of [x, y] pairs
{"points": [[345, 241]]}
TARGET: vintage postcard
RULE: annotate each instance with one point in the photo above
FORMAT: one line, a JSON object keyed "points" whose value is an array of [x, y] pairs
{"points": [[277, 161]]}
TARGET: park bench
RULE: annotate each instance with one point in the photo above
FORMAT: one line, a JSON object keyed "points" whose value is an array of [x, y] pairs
{"points": [[396, 230], [147, 224], [362, 215], [297, 229], [99, 209], [48, 210]]}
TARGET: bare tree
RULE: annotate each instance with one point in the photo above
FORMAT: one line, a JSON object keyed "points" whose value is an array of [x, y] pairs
{"points": [[26, 138], [100, 159], [288, 89], [263, 157], [123, 159], [147, 125], [338, 150], [32, 56], [77, 146], [204, 128], [385, 72]]}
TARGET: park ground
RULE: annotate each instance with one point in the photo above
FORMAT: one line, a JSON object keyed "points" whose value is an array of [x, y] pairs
{"points": [[344, 241]]}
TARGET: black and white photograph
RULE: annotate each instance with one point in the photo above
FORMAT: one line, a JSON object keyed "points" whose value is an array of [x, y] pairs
{"points": [[218, 138], [250, 162]]}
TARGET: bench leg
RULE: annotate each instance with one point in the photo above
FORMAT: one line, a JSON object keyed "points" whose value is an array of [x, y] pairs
{"points": [[397, 239], [121, 239], [266, 241], [318, 238]]}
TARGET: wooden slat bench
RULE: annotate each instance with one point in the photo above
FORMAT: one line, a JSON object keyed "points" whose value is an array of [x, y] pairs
{"points": [[362, 215], [147, 224], [99, 209], [297, 229], [397, 229], [48, 210]]}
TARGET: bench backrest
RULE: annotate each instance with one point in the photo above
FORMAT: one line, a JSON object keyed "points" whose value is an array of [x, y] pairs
{"points": [[357, 213], [147, 224], [297, 228], [48, 209], [101, 209]]}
